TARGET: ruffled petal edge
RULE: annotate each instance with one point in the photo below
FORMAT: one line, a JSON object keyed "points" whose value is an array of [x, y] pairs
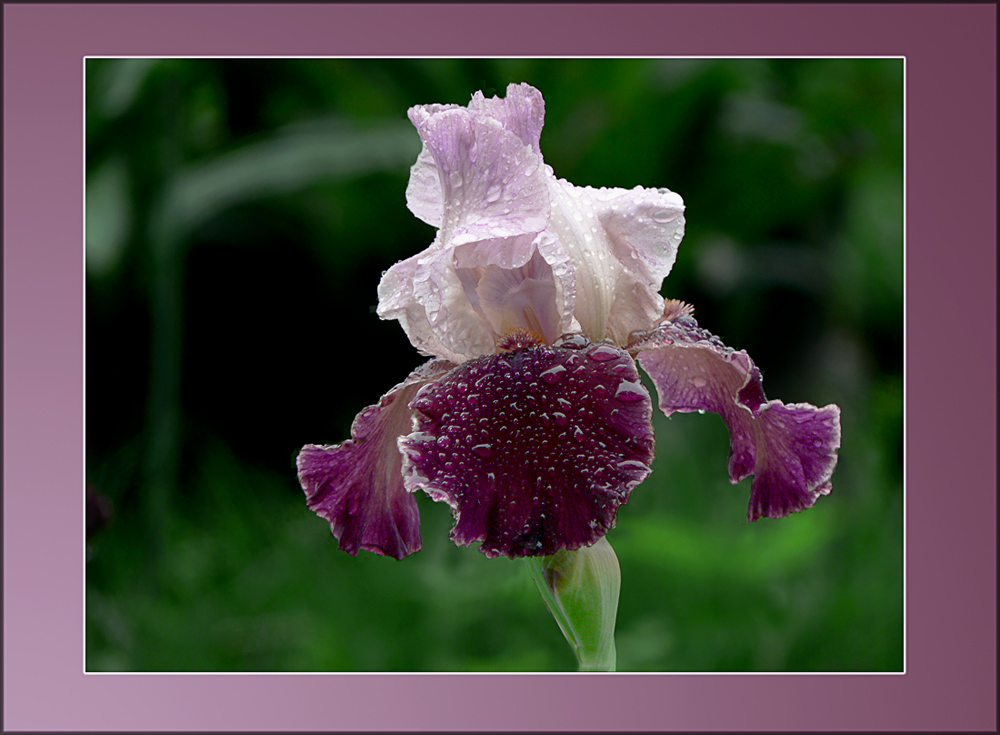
{"points": [[790, 449], [357, 486]]}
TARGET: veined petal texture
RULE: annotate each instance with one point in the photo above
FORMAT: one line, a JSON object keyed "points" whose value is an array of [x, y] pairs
{"points": [[534, 448], [622, 244], [357, 486], [518, 248], [790, 449]]}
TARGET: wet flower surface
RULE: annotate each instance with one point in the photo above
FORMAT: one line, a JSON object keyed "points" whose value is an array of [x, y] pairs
{"points": [[534, 448], [534, 301]]}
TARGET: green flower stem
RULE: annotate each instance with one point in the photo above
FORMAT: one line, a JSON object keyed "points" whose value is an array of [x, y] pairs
{"points": [[581, 589]]}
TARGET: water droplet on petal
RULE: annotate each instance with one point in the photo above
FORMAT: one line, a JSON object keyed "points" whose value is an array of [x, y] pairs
{"points": [[602, 353], [630, 391], [493, 193], [483, 450], [553, 374], [631, 464], [664, 215], [699, 382], [455, 177], [572, 341]]}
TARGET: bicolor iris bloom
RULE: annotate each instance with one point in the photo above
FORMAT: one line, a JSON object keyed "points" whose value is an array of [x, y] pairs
{"points": [[535, 301]]}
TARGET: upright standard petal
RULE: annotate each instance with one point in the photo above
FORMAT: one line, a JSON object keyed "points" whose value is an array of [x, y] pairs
{"points": [[424, 196], [480, 179], [622, 244], [534, 448], [456, 302], [357, 486], [522, 112], [518, 248], [789, 448], [397, 299], [491, 184], [523, 283]]}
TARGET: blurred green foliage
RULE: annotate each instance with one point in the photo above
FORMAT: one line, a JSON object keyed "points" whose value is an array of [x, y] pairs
{"points": [[239, 215]]}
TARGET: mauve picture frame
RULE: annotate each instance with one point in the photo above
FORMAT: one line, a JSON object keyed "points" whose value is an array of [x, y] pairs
{"points": [[949, 681]]}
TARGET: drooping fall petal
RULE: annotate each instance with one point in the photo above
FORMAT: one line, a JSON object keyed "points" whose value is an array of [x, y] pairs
{"points": [[534, 448], [357, 486], [790, 449]]}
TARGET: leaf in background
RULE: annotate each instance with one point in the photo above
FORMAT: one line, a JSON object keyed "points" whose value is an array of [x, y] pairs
{"points": [[735, 556], [114, 84], [108, 216], [321, 151]]}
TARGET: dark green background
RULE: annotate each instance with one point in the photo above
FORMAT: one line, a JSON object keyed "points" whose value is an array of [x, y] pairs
{"points": [[239, 216]]}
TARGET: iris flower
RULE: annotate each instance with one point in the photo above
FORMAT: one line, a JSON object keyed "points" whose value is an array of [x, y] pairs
{"points": [[534, 303]]}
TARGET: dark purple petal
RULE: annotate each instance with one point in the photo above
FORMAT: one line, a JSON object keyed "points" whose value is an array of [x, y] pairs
{"points": [[533, 448], [790, 449], [358, 487]]}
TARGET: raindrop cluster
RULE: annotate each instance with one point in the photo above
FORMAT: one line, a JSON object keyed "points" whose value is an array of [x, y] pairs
{"points": [[533, 448]]}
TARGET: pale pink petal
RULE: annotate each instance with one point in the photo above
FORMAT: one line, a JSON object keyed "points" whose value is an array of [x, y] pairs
{"points": [[456, 302], [644, 226], [522, 111], [622, 244], [396, 300], [423, 191], [457, 322], [525, 282], [492, 184], [518, 248]]}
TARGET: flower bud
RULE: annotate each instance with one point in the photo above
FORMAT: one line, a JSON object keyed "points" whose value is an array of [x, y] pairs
{"points": [[581, 588]]}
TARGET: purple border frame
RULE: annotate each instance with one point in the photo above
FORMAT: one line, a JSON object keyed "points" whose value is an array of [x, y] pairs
{"points": [[950, 679]]}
